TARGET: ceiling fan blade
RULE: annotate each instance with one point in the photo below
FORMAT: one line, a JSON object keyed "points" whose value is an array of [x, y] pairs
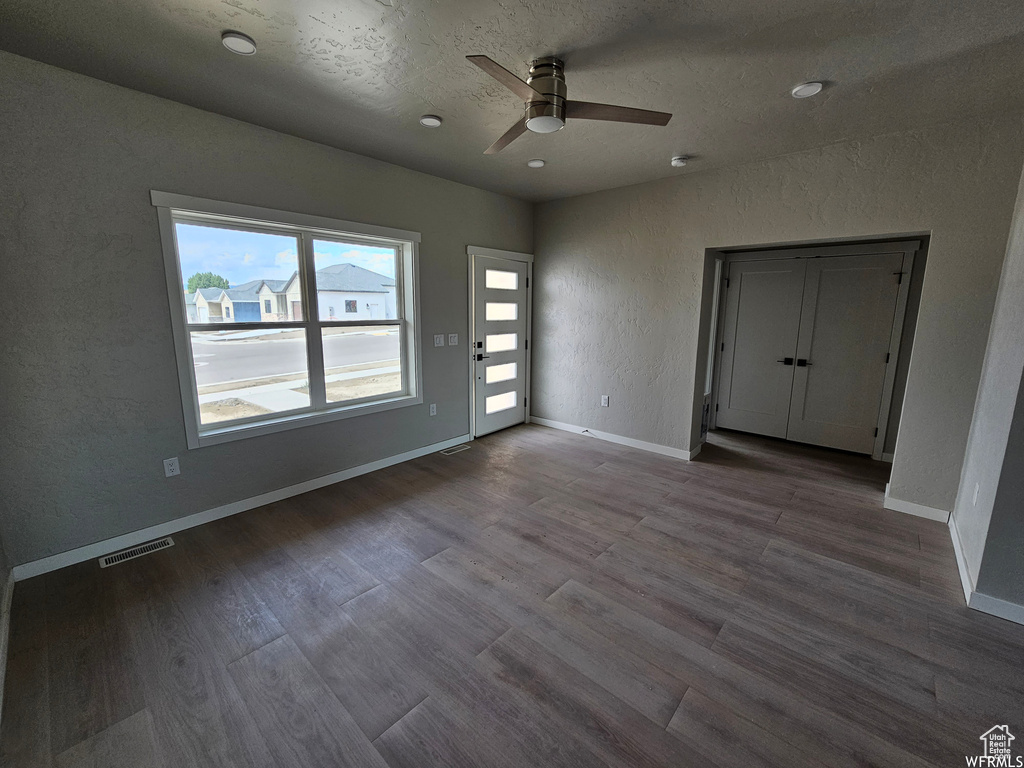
{"points": [[588, 110], [507, 138], [519, 87]]}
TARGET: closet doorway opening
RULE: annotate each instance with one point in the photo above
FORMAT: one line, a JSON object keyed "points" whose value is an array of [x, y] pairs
{"points": [[811, 343]]}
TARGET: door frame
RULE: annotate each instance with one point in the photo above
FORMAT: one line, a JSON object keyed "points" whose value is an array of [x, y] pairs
{"points": [[908, 247], [473, 251]]}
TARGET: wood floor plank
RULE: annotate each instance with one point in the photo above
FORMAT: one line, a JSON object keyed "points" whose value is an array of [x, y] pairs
{"points": [[217, 594], [691, 554], [130, 743], [371, 687], [94, 680], [501, 722], [722, 736], [199, 717], [647, 688], [302, 721], [337, 575], [774, 707], [25, 725], [607, 724], [828, 684], [795, 582]]}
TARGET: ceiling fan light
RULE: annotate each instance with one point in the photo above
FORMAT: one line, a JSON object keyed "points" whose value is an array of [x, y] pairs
{"points": [[545, 124]]}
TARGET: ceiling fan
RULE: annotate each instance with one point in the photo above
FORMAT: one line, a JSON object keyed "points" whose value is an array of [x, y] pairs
{"points": [[547, 109]]}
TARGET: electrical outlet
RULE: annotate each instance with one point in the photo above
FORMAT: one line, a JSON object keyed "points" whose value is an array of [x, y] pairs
{"points": [[977, 487], [453, 339], [433, 409], [604, 401], [171, 467], [438, 339]]}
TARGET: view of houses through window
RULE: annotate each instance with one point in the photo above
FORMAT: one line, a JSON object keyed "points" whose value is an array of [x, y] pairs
{"points": [[234, 280]]}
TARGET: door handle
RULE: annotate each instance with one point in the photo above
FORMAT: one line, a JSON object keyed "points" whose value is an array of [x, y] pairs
{"points": [[785, 361], [802, 362], [482, 357]]}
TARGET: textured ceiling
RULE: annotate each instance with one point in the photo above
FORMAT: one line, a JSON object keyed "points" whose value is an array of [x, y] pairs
{"points": [[357, 74]]}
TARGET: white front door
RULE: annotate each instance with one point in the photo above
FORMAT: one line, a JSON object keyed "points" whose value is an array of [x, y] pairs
{"points": [[499, 348], [842, 353], [759, 334]]}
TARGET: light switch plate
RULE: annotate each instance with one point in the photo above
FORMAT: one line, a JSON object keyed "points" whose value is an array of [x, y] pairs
{"points": [[433, 409], [453, 339], [604, 401], [438, 339]]}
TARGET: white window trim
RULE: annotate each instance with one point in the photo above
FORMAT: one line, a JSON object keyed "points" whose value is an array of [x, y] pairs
{"points": [[168, 204]]}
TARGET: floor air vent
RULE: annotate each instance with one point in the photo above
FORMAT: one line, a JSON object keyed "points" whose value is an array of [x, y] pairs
{"points": [[455, 449], [130, 554]]}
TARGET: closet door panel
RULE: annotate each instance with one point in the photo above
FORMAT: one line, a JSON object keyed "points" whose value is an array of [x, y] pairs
{"points": [[845, 328], [762, 320]]}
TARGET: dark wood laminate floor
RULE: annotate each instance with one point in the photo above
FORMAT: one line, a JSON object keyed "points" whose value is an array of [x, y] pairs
{"points": [[543, 599]]}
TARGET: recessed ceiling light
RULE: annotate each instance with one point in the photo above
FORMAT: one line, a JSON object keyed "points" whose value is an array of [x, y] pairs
{"points": [[238, 43], [537, 163], [805, 90], [430, 121], [679, 161]]}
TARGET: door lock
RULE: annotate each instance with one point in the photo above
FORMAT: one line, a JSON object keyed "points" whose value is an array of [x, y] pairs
{"points": [[481, 357], [785, 361], [801, 362]]}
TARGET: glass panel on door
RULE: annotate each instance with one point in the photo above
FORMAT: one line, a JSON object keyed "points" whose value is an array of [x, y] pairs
{"points": [[501, 280], [497, 311], [501, 342], [496, 374]]}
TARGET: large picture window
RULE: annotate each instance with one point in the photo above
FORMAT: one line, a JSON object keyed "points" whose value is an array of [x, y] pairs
{"points": [[254, 295]]}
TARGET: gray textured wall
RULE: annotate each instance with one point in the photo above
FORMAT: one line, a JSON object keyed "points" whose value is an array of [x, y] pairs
{"points": [[90, 401], [989, 457], [619, 280]]}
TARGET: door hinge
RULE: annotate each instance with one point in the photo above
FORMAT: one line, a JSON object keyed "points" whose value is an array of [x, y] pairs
{"points": [[526, 402], [876, 431], [526, 345], [723, 347], [887, 358], [527, 282], [727, 282], [899, 278], [716, 407]]}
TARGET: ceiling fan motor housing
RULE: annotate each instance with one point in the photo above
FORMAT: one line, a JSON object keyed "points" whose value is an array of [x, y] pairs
{"points": [[548, 78]]}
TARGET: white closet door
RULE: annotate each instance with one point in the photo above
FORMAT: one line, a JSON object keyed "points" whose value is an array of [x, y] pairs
{"points": [[845, 328], [762, 320]]}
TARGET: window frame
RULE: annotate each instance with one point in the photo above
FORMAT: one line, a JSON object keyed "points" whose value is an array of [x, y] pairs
{"points": [[305, 228]]}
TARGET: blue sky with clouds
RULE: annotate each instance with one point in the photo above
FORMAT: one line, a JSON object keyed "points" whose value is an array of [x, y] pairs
{"points": [[241, 256]]}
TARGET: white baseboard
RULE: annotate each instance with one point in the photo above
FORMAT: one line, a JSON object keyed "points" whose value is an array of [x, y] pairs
{"points": [[5, 633], [979, 601], [910, 508], [961, 560], [664, 450], [996, 606], [105, 547]]}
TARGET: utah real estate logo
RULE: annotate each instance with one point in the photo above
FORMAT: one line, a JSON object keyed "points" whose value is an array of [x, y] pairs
{"points": [[998, 750]]}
